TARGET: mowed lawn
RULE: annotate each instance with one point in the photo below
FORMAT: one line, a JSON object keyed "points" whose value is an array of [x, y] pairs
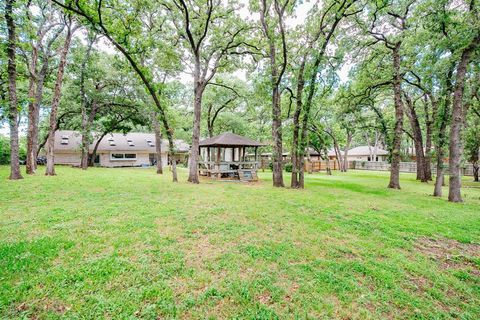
{"points": [[126, 243]]}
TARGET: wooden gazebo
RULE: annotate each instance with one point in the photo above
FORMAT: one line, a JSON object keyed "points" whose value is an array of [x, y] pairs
{"points": [[225, 157]]}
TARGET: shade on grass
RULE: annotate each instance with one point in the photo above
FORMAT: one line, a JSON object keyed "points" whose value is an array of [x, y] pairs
{"points": [[126, 243]]}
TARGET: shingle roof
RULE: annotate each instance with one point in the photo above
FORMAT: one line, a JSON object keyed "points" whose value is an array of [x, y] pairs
{"points": [[228, 139], [134, 141], [365, 151]]}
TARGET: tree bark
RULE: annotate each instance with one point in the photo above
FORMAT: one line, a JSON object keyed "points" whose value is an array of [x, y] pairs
{"points": [[158, 142], [476, 167], [397, 135], [296, 126], [277, 139], [428, 141], [276, 74], [345, 153], [210, 121], [12, 91], [34, 117], [30, 164], [417, 138], [85, 118], [50, 170], [456, 144], [441, 135], [95, 148], [86, 130], [198, 89]]}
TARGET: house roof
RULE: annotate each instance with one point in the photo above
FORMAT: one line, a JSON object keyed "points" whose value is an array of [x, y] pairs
{"points": [[68, 140], [229, 139], [365, 151]]}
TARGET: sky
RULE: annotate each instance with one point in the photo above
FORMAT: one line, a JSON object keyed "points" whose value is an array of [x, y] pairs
{"points": [[299, 17]]}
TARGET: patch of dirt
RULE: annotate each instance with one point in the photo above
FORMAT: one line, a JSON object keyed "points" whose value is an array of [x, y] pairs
{"points": [[22, 307], [56, 306], [421, 283], [291, 291], [450, 254], [201, 250], [265, 298]]}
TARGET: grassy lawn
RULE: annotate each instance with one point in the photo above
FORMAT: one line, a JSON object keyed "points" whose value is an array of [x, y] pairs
{"points": [[126, 243]]}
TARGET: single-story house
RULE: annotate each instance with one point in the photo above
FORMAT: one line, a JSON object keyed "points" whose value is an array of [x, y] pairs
{"points": [[115, 149], [361, 153], [365, 153]]}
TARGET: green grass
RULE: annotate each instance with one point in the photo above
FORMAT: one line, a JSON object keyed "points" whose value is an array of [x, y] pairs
{"points": [[126, 243]]}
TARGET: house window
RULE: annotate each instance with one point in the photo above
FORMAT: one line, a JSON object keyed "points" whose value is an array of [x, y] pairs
{"points": [[123, 156], [150, 143], [117, 156], [131, 144], [64, 141]]}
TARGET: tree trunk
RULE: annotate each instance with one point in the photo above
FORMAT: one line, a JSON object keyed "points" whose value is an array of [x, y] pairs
{"points": [[84, 155], [417, 139], [50, 170], [345, 154], [95, 148], [30, 164], [12, 91], [275, 79], [210, 121], [339, 155], [85, 123], [397, 135], [199, 86], [296, 126], [456, 144], [34, 116], [439, 180], [158, 142], [476, 168], [277, 139], [441, 135], [327, 160], [86, 128], [428, 140]]}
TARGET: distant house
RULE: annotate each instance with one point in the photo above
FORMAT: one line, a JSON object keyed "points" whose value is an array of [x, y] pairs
{"points": [[365, 153], [115, 149], [361, 153]]}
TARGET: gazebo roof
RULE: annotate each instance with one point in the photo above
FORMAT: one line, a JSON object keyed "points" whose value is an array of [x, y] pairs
{"points": [[228, 139]]}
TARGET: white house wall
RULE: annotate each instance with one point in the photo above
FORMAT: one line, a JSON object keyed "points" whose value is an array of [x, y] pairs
{"points": [[73, 158]]}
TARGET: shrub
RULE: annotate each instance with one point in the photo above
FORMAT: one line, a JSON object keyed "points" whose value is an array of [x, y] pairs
{"points": [[288, 167]]}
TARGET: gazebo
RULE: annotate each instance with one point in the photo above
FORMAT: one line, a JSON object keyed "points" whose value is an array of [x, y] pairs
{"points": [[225, 157]]}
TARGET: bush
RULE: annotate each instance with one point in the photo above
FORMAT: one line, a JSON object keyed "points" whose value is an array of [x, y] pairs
{"points": [[288, 167], [5, 149]]}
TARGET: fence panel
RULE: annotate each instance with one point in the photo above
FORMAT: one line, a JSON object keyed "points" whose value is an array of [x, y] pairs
{"points": [[410, 167]]}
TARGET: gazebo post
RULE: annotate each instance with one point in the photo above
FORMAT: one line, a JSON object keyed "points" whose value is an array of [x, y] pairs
{"points": [[256, 148], [218, 163], [209, 167]]}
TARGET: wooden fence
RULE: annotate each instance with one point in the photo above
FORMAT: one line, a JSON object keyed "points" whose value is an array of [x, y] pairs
{"points": [[411, 167]]}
